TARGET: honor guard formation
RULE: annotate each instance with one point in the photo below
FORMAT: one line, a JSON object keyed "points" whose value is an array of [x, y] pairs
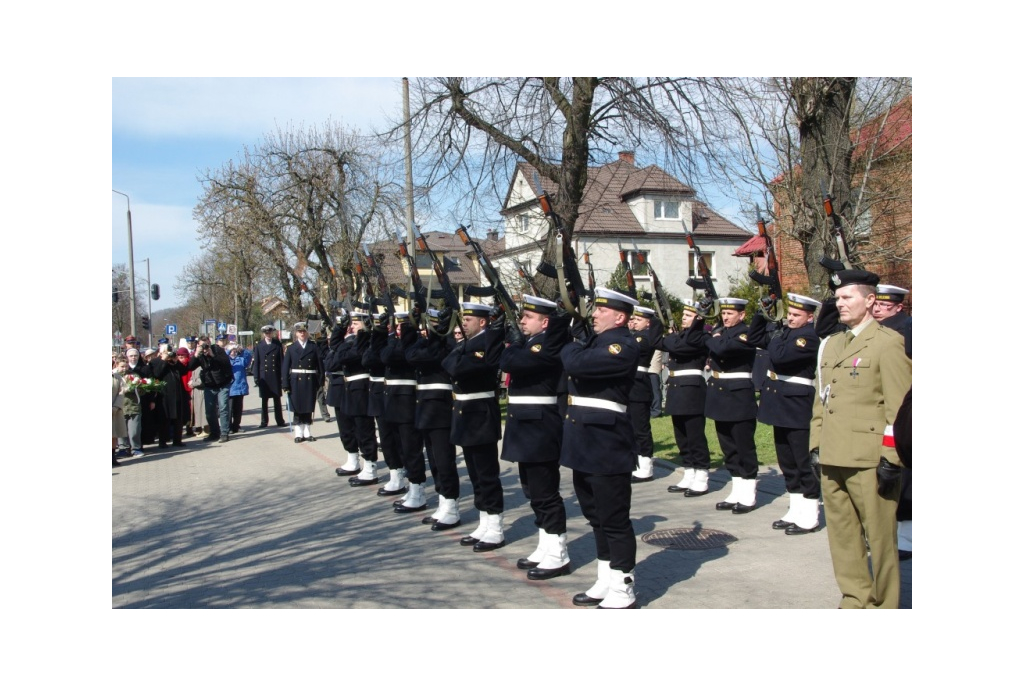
{"points": [[418, 386]]}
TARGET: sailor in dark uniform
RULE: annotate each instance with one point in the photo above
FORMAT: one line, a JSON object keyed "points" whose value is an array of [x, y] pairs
{"points": [[647, 331], [266, 366], [390, 445], [434, 412], [888, 311], [787, 399], [685, 395], [476, 419], [533, 427], [399, 415], [599, 445], [301, 374], [338, 344], [349, 359], [731, 402]]}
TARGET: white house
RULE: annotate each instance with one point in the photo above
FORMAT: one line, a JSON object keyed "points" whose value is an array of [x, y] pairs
{"points": [[623, 205]]}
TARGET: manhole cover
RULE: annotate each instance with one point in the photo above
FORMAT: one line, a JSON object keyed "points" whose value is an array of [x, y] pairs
{"points": [[688, 538]]}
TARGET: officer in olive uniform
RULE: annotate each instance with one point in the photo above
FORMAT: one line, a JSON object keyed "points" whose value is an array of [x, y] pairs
{"points": [[786, 399], [301, 375], [862, 378], [390, 443], [267, 371], [647, 331], [599, 445], [533, 427], [434, 412], [476, 419], [685, 395], [731, 401], [348, 358]]}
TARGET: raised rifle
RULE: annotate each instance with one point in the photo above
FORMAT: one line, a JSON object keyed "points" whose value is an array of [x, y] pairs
{"points": [[448, 295], [521, 270], [383, 288], [500, 293], [834, 265], [416, 294], [770, 302], [662, 305], [708, 305], [574, 296], [628, 269], [591, 281], [363, 281]]}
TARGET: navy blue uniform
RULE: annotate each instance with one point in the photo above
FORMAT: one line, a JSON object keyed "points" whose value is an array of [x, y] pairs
{"points": [[389, 441], [642, 393], [686, 394], [302, 374], [434, 405], [399, 413], [266, 369], [533, 427], [339, 346]]}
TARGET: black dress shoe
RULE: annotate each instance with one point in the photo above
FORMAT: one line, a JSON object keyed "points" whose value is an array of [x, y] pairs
{"points": [[427, 520], [178, 443], [211, 438], [384, 492], [298, 440], [676, 488], [781, 524], [356, 483], [722, 506], [346, 472], [526, 564], [281, 425], [402, 509], [584, 600], [797, 530], [634, 479], [116, 462], [445, 526], [469, 541], [548, 573], [263, 425], [163, 446], [487, 546], [904, 554], [743, 508], [696, 493]]}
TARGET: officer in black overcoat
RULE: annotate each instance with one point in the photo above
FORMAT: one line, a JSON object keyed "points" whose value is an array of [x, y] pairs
{"points": [[476, 419], [349, 359], [787, 399], [266, 369], [302, 374], [340, 342], [533, 427], [647, 330], [599, 444], [389, 443], [685, 395], [731, 401]]}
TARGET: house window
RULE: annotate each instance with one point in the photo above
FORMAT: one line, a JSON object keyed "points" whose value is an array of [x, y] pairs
{"points": [[524, 223], [709, 262], [639, 269], [666, 209]]}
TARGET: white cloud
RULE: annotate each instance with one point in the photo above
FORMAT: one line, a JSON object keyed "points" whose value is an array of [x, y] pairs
{"points": [[249, 107]]}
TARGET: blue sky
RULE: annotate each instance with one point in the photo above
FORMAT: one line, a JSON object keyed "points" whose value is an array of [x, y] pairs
{"points": [[167, 131]]}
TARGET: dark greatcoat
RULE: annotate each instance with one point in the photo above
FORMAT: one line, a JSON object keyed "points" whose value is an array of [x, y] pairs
{"points": [[647, 340], [433, 407], [400, 397], [174, 398], [533, 432], [376, 369], [350, 358], [729, 352], [473, 366], [302, 386], [685, 395], [333, 367], [600, 441], [266, 367]]}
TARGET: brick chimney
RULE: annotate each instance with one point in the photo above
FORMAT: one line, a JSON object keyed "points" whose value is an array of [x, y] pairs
{"points": [[492, 234], [629, 157]]}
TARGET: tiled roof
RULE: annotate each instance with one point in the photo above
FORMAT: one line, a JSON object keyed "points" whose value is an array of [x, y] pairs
{"points": [[754, 246], [443, 244]]}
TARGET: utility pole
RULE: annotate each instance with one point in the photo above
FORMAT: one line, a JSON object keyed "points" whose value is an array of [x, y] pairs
{"points": [[131, 263], [149, 290], [409, 215]]}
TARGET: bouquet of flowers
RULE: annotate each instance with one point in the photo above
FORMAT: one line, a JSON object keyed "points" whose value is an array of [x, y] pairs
{"points": [[140, 386]]}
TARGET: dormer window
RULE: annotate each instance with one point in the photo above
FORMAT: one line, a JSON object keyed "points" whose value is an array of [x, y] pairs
{"points": [[666, 209]]}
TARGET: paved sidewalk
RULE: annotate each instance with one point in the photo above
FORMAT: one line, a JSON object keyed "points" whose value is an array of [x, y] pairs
{"points": [[260, 522]]}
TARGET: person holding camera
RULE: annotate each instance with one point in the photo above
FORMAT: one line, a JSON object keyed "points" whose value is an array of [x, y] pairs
{"points": [[215, 373], [863, 375]]}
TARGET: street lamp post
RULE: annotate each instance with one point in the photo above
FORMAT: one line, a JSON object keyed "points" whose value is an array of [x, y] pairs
{"points": [[131, 263]]}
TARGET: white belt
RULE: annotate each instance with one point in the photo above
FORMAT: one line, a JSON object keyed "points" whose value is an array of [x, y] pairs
{"points": [[357, 377], [335, 373], [645, 369], [685, 372], [728, 376], [532, 399], [799, 380], [399, 381], [473, 396], [303, 371], [376, 379], [596, 404], [433, 386]]}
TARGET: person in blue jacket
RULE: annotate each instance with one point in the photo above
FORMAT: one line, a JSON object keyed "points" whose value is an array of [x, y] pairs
{"points": [[240, 360]]}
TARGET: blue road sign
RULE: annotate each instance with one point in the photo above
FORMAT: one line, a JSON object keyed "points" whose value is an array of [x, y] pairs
{"points": [[222, 327], [171, 329]]}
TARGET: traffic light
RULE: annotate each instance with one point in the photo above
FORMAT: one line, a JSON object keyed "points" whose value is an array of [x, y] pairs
{"points": [[155, 291], [145, 323], [116, 297]]}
